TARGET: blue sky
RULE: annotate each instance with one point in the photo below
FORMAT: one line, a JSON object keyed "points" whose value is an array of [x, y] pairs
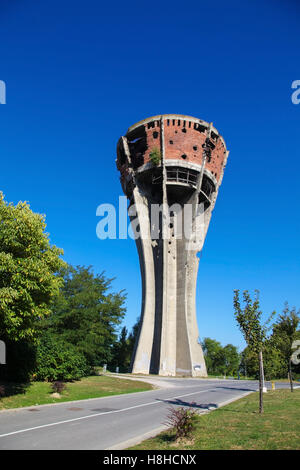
{"points": [[78, 74]]}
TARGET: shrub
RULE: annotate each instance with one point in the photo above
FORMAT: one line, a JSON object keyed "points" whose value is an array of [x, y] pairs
{"points": [[59, 361], [2, 391], [58, 386], [155, 156], [182, 420]]}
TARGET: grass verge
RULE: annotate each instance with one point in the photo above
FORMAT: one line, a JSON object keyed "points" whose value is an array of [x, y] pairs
{"points": [[239, 426], [39, 393]]}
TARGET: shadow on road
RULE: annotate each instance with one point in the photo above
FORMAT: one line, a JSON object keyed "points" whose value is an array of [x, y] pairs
{"points": [[203, 406], [236, 388]]}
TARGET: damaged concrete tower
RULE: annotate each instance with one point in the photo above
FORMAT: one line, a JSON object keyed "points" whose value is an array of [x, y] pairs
{"points": [[174, 163]]}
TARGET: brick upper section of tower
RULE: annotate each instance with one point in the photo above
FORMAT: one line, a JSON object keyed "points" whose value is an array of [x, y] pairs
{"points": [[185, 139]]}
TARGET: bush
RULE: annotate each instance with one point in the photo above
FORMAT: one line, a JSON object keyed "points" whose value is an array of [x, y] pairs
{"points": [[58, 386], [155, 156], [182, 420], [58, 360]]}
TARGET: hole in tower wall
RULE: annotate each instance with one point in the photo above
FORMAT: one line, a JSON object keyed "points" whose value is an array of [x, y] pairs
{"points": [[137, 144], [199, 127], [183, 130], [171, 142], [155, 134], [184, 156], [214, 136]]}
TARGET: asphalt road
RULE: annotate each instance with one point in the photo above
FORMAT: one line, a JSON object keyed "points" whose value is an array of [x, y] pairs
{"points": [[112, 422]]}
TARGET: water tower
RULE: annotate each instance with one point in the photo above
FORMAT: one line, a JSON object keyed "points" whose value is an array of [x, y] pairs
{"points": [[170, 161]]}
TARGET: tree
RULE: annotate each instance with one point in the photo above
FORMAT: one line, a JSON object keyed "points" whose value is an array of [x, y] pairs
{"points": [[255, 334], [220, 360], [28, 264], [285, 332], [132, 340], [273, 362], [214, 357], [232, 359], [120, 352], [58, 360], [86, 314], [124, 348]]}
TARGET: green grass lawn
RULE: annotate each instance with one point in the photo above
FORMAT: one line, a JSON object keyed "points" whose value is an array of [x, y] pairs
{"points": [[39, 393], [240, 426]]}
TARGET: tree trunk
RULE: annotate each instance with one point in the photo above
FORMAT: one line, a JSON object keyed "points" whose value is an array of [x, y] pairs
{"points": [[261, 384], [290, 375]]}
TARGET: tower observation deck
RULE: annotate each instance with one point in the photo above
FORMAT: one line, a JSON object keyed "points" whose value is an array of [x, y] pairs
{"points": [[171, 169]]}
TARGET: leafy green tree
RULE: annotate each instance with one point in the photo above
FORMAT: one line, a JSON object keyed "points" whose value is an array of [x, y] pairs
{"points": [[254, 332], [220, 360], [274, 366], [58, 360], [249, 365], [28, 264], [121, 353], [285, 332], [232, 359], [124, 348], [132, 339], [214, 357], [86, 314]]}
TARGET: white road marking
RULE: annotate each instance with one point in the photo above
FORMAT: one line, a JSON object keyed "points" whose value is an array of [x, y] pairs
{"points": [[104, 413]]}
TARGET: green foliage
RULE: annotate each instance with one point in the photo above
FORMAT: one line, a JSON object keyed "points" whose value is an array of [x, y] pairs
{"points": [[155, 156], [28, 264], [86, 315], [274, 365], [249, 320], [277, 347], [286, 331], [121, 353], [123, 349], [232, 359], [58, 360], [220, 360]]}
